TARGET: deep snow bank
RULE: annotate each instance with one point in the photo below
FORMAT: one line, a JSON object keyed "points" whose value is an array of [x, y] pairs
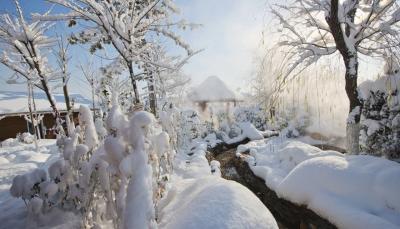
{"points": [[213, 202], [349, 191]]}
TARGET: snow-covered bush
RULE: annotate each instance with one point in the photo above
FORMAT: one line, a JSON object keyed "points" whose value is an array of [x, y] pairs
{"points": [[115, 182], [254, 114], [380, 117], [296, 124], [190, 127]]}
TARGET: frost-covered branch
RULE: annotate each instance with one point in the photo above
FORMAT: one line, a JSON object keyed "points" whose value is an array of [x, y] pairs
{"points": [[128, 25], [23, 44]]}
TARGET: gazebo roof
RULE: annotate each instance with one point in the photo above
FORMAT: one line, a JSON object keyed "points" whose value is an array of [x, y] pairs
{"points": [[212, 89]]}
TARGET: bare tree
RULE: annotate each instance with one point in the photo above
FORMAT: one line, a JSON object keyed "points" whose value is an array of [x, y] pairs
{"points": [[22, 43], [315, 28]]}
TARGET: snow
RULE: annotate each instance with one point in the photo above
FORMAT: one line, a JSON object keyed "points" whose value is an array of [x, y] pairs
{"points": [[198, 197], [388, 84], [250, 131], [18, 159], [139, 211], [212, 202], [86, 122], [212, 90], [359, 187], [14, 102], [350, 191], [373, 126]]}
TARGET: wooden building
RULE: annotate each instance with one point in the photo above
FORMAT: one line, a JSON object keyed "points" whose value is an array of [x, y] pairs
{"points": [[14, 123]]}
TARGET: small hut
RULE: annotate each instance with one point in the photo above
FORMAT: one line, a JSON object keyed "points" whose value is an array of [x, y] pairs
{"points": [[213, 91], [14, 113]]}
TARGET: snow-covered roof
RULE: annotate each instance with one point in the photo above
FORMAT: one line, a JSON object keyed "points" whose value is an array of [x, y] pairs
{"points": [[17, 102], [212, 89]]}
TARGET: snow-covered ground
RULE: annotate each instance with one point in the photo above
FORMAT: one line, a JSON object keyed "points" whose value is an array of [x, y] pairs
{"points": [[198, 198], [17, 158], [195, 197], [350, 191]]}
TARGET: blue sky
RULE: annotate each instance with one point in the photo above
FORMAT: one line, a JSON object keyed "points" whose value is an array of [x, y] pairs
{"points": [[230, 36]]}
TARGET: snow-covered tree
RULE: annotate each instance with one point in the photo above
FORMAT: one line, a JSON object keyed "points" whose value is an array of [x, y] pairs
{"points": [[165, 84], [314, 28], [128, 25], [90, 75], [62, 61], [23, 44], [113, 83]]}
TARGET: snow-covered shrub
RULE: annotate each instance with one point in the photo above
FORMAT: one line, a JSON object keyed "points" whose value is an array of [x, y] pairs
{"points": [[114, 182], [380, 117], [190, 127], [169, 117], [253, 114], [297, 123]]}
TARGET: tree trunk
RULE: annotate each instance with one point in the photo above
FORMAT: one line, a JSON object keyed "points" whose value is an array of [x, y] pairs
{"points": [[93, 92], [353, 120], [66, 95], [46, 89], [51, 100], [350, 58], [35, 134], [133, 81], [152, 95]]}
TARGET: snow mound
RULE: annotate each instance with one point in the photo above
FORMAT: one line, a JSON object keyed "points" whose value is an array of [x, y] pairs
{"points": [[16, 160], [9, 142], [4, 160], [350, 191], [353, 192], [273, 159], [250, 131], [213, 202]]}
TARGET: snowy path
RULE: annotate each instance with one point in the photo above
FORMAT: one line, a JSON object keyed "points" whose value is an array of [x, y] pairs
{"points": [[16, 160]]}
